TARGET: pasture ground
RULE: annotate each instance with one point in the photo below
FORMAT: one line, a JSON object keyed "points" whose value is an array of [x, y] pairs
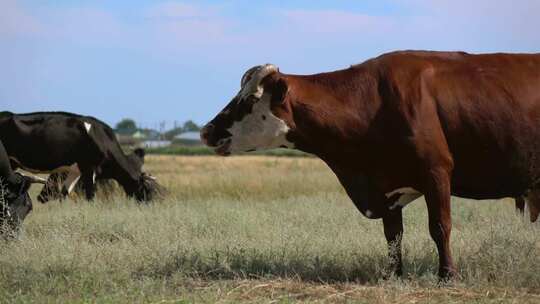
{"points": [[259, 229]]}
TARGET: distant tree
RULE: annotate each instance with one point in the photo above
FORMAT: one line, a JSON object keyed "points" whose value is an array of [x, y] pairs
{"points": [[173, 132], [126, 126], [190, 126]]}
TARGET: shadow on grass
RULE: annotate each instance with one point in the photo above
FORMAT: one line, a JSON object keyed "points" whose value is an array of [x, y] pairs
{"points": [[255, 264]]}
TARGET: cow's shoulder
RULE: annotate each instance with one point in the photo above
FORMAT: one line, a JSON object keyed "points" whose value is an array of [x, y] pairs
{"points": [[104, 128]]}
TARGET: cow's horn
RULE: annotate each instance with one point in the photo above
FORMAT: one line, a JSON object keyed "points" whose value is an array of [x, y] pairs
{"points": [[150, 176], [257, 73], [35, 179], [264, 71]]}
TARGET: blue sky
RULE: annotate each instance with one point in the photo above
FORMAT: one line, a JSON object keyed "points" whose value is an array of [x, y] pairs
{"points": [[177, 60]]}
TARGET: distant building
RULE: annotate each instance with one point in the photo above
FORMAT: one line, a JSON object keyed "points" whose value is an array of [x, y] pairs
{"points": [[151, 134], [156, 143], [188, 138], [139, 135]]}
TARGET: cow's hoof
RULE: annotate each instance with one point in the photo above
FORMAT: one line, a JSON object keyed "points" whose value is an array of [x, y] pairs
{"points": [[392, 274], [447, 276]]}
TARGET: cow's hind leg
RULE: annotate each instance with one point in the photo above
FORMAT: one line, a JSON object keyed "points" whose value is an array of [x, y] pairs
{"points": [[393, 231], [51, 190], [520, 204], [533, 202], [71, 179], [440, 221]]}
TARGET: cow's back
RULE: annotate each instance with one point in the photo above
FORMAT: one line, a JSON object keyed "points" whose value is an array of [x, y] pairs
{"points": [[489, 109], [49, 140]]}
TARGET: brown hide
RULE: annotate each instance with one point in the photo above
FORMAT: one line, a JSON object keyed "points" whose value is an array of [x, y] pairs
{"points": [[393, 117], [441, 123]]}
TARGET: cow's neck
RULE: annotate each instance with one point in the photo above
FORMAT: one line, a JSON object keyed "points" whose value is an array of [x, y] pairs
{"points": [[124, 174], [333, 113]]}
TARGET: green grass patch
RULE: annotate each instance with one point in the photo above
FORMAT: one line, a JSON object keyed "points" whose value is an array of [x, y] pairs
{"points": [[203, 150]]}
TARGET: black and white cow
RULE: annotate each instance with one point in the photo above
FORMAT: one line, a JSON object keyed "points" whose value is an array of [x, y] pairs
{"points": [[49, 142], [15, 203], [104, 176]]}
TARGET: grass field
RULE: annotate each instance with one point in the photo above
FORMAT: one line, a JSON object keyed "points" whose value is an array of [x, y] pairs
{"points": [[199, 150], [262, 230]]}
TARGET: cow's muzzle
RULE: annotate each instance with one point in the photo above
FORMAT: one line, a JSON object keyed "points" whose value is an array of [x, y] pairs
{"points": [[205, 133], [217, 138]]}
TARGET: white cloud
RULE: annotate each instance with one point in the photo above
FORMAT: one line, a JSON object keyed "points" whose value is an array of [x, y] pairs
{"points": [[85, 25], [45, 26], [176, 10], [15, 21], [484, 25], [183, 26], [480, 26], [336, 22], [181, 30]]}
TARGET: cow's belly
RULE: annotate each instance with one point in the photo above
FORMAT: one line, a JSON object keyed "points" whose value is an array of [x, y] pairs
{"points": [[492, 175], [493, 133], [44, 169]]}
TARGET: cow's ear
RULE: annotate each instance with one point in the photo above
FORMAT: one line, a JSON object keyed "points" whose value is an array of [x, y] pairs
{"points": [[278, 90]]}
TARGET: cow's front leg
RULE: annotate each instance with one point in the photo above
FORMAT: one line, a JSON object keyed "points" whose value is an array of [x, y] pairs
{"points": [[51, 189], [393, 231], [88, 179], [71, 178], [440, 221]]}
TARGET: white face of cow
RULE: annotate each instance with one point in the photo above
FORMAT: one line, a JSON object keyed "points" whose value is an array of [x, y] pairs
{"points": [[249, 122], [258, 130]]}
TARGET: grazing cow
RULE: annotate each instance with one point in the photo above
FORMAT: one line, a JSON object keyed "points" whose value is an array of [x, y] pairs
{"points": [[48, 142], [400, 126], [52, 189], [15, 203]]}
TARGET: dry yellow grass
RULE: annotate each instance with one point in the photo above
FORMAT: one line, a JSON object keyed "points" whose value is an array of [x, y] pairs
{"points": [[208, 177], [259, 229]]}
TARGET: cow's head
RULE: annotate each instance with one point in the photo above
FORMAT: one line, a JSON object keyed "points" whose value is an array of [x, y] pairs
{"points": [[136, 158], [148, 188], [140, 153], [257, 118], [15, 203]]}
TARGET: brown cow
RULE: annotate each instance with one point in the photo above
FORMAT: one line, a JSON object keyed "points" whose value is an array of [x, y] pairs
{"points": [[399, 126]]}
